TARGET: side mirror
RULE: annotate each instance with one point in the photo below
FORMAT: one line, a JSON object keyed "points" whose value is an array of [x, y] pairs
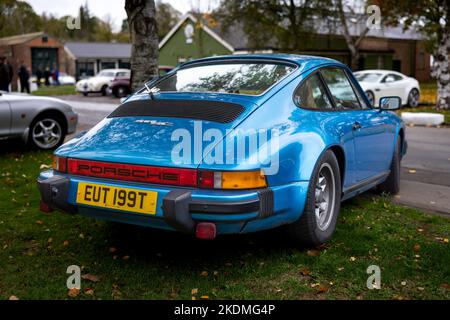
{"points": [[390, 103]]}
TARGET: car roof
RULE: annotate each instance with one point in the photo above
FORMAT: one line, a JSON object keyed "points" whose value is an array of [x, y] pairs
{"points": [[115, 70], [276, 57], [380, 71]]}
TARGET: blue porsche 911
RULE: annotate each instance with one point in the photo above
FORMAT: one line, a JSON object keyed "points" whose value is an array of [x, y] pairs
{"points": [[233, 144]]}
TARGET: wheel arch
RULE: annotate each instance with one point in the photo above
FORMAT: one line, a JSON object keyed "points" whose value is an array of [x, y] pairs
{"points": [[52, 112], [339, 153]]}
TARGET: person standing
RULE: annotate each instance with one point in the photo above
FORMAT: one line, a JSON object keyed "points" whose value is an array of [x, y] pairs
{"points": [[47, 76], [10, 72], [4, 75], [24, 77], [39, 76]]}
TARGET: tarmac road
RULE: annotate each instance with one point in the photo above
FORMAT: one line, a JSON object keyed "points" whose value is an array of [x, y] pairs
{"points": [[425, 181]]}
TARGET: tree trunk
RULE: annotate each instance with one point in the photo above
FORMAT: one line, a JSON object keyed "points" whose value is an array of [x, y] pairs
{"points": [[144, 39], [441, 70]]}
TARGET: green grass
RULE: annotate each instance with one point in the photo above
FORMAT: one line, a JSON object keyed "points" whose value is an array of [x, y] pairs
{"points": [[410, 247], [428, 93], [55, 90]]}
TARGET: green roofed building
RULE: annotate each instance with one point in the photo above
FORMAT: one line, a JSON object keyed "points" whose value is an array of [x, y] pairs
{"points": [[387, 48]]}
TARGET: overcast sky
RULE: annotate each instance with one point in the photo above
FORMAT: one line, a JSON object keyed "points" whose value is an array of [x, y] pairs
{"points": [[114, 8]]}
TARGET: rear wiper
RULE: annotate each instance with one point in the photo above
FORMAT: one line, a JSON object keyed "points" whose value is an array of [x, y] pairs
{"points": [[149, 91]]}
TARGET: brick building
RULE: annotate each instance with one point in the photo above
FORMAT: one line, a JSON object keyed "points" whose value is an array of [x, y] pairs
{"points": [[37, 51]]}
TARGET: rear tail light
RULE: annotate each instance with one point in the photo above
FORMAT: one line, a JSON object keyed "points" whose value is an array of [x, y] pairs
{"points": [[59, 164], [232, 179]]}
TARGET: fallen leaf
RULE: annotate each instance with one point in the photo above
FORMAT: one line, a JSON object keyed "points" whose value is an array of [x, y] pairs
{"points": [[39, 222], [89, 291], [126, 257], [420, 288], [13, 298], [204, 273], [403, 283], [112, 249], [352, 259], [90, 277], [313, 253], [445, 240], [445, 286], [66, 243], [194, 291], [304, 272], [204, 297], [341, 269], [73, 292], [323, 289], [417, 248], [193, 298]]}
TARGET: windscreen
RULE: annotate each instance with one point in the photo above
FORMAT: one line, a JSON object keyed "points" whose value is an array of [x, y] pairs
{"points": [[367, 77]]}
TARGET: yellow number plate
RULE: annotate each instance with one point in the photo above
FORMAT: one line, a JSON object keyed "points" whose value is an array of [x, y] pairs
{"points": [[125, 199]]}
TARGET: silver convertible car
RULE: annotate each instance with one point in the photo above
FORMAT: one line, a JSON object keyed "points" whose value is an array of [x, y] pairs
{"points": [[40, 121]]}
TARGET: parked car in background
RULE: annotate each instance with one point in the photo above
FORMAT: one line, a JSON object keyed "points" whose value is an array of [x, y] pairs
{"points": [[121, 85], [382, 83], [40, 121], [64, 79], [326, 144], [100, 82]]}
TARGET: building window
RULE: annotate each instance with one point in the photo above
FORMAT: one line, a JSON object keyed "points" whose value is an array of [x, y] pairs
{"points": [[124, 65], [107, 65], [44, 39]]}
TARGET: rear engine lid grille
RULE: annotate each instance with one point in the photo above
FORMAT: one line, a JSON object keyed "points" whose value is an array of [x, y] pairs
{"points": [[217, 111]]}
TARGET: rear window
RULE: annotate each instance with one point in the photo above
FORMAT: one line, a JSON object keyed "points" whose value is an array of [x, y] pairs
{"points": [[239, 78]]}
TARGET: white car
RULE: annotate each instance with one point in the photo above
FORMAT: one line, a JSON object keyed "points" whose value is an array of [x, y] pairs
{"points": [[384, 83], [101, 82], [64, 78]]}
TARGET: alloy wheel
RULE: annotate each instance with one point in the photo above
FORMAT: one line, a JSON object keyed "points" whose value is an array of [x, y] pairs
{"points": [[46, 133], [324, 197]]}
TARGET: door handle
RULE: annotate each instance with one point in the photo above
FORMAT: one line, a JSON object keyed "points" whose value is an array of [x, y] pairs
{"points": [[356, 126]]}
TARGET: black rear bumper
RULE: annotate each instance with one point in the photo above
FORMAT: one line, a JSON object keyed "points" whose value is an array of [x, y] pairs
{"points": [[177, 205]]}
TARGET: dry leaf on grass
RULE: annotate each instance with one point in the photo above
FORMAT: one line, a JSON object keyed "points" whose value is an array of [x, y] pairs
{"points": [[204, 273], [90, 277], [194, 291], [112, 249], [73, 292], [417, 248], [13, 298], [313, 253]]}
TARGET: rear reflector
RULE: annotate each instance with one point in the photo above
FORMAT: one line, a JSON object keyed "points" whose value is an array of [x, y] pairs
{"points": [[131, 172], [205, 231], [44, 207]]}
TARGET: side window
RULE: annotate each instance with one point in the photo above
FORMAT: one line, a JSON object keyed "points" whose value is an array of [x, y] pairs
{"points": [[312, 95], [392, 78], [341, 89]]}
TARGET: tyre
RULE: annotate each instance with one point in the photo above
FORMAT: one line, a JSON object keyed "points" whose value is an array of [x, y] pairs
{"points": [[85, 94], [47, 132], [392, 184], [103, 90], [413, 98], [371, 97], [318, 221], [121, 92]]}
